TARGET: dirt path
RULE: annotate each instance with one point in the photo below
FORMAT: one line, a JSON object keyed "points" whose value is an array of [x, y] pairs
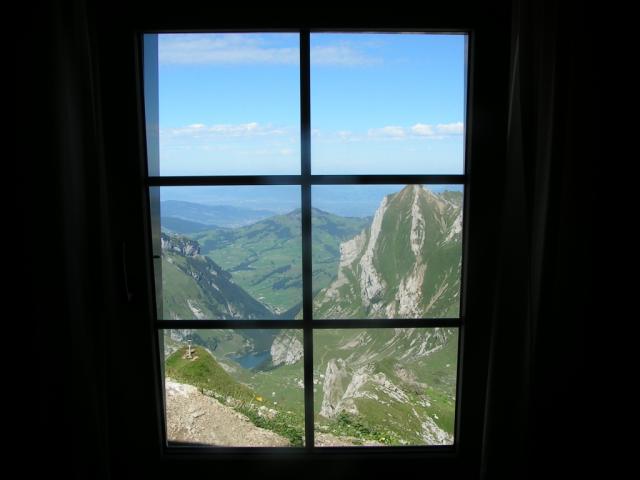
{"points": [[195, 418]]}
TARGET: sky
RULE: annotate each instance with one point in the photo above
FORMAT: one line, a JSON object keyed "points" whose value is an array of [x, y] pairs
{"points": [[380, 104]]}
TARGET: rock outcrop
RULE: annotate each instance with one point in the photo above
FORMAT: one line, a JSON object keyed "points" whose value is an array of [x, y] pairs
{"points": [[196, 418], [286, 348]]}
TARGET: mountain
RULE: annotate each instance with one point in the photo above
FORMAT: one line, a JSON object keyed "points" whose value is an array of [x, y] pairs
{"points": [[371, 386], [195, 287], [396, 386], [265, 258], [180, 226], [389, 386], [218, 215], [406, 264], [328, 231]]}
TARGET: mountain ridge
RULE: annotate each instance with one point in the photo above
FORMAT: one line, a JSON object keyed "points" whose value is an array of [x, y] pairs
{"points": [[406, 264], [200, 288], [212, 215]]}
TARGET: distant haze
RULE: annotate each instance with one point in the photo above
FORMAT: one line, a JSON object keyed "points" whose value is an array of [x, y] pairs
{"points": [[344, 200]]}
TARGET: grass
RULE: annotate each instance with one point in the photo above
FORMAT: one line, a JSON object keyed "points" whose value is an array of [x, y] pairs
{"points": [[431, 391], [205, 373], [209, 289], [348, 425], [287, 424], [176, 288], [282, 381]]}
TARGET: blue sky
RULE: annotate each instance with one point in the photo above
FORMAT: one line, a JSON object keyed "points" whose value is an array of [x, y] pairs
{"points": [[380, 104]]}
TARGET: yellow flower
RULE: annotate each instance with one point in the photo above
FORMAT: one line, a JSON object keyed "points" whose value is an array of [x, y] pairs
{"points": [[259, 398]]}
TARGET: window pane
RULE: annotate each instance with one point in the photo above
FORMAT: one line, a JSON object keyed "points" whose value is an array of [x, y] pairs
{"points": [[386, 251], [231, 252], [387, 103], [385, 386], [229, 104], [234, 387]]}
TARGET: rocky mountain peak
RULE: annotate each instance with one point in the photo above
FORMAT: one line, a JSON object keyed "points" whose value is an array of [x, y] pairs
{"points": [[182, 245], [406, 264]]}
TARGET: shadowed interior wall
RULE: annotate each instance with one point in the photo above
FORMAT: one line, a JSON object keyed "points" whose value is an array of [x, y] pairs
{"points": [[95, 374]]}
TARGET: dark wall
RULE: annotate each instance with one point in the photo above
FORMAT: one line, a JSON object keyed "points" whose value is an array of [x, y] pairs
{"points": [[83, 214]]}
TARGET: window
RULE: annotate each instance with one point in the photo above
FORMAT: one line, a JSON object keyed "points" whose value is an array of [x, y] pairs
{"points": [[307, 198]]}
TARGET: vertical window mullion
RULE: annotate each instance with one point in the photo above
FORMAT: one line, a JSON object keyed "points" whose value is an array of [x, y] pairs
{"points": [[307, 292]]}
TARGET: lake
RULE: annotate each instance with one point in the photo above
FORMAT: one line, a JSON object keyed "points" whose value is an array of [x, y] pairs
{"points": [[253, 359]]}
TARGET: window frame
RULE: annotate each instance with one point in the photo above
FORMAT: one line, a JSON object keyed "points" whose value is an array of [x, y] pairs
{"points": [[305, 180]]}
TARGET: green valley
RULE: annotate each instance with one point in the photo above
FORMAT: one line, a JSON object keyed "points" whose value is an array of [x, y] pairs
{"points": [[265, 257]]}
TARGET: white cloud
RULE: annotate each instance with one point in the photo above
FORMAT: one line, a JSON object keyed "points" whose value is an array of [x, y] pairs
{"points": [[422, 130], [341, 56], [390, 131], [438, 131], [244, 49], [456, 128], [224, 49], [200, 130]]}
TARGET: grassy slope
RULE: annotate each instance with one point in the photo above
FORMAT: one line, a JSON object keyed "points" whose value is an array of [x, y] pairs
{"points": [[283, 380], [210, 289], [177, 287], [392, 422], [204, 372]]}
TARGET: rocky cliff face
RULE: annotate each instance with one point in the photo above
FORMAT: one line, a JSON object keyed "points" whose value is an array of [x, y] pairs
{"points": [[406, 264], [286, 348], [387, 377], [181, 245]]}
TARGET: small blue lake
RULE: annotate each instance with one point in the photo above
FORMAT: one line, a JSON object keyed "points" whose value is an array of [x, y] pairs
{"points": [[253, 359]]}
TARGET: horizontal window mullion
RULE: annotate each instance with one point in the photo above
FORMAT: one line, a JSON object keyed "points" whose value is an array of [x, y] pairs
{"points": [[315, 324], [177, 450], [188, 181], [388, 323], [305, 180], [387, 179], [222, 324]]}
